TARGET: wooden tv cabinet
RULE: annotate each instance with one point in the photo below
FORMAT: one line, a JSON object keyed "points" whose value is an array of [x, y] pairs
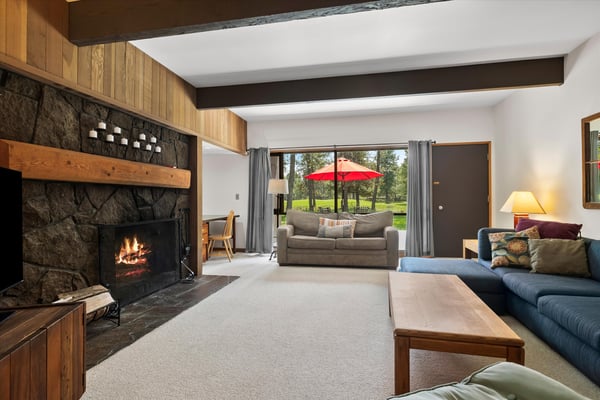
{"points": [[42, 352]]}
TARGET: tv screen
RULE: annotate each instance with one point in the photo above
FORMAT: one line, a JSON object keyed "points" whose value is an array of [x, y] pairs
{"points": [[11, 247]]}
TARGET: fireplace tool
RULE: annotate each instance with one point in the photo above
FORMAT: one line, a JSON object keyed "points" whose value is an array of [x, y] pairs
{"points": [[184, 216]]}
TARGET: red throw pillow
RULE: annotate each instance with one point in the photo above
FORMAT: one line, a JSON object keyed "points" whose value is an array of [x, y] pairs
{"points": [[551, 229]]}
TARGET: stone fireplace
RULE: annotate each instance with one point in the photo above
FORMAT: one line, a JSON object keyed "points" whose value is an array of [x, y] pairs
{"points": [[61, 219], [139, 258]]}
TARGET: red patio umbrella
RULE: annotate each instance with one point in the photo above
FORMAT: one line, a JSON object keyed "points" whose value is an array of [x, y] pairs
{"points": [[346, 171]]}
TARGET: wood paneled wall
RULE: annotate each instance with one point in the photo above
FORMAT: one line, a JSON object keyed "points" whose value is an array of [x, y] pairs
{"points": [[33, 40]]}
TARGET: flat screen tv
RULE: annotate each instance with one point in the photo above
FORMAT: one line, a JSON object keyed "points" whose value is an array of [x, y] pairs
{"points": [[11, 246]]}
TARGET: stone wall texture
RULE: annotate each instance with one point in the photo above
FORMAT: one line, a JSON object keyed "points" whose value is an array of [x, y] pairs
{"points": [[60, 219]]}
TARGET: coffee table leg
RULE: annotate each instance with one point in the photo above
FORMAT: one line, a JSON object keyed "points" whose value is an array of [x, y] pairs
{"points": [[516, 355], [401, 365]]}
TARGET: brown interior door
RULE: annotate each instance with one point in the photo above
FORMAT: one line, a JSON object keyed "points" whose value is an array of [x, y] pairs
{"points": [[461, 206]]}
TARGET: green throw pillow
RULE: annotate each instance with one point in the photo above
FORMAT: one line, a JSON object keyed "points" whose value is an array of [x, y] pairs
{"points": [[512, 248], [559, 256]]}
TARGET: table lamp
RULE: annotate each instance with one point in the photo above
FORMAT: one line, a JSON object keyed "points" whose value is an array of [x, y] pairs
{"points": [[521, 204]]}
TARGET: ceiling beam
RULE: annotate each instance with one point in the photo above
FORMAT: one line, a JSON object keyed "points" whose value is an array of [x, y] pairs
{"points": [[95, 22], [490, 76]]}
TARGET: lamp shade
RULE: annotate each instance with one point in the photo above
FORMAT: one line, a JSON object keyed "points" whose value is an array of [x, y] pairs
{"points": [[522, 203], [278, 186]]}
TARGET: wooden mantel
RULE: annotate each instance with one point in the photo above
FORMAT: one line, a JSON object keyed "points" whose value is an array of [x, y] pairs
{"points": [[49, 163]]}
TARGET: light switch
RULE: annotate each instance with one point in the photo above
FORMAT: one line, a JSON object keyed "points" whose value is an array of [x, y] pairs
{"points": [[237, 196]]}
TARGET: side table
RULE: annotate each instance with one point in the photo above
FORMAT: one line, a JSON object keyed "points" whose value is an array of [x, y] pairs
{"points": [[470, 248]]}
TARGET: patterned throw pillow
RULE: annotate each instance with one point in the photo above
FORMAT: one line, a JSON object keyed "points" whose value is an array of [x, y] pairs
{"points": [[512, 248], [337, 222]]}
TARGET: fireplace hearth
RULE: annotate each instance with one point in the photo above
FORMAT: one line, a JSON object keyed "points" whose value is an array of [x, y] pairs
{"points": [[140, 258]]}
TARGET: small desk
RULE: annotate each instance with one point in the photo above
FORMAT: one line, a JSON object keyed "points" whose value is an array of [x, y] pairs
{"points": [[470, 248], [218, 217]]}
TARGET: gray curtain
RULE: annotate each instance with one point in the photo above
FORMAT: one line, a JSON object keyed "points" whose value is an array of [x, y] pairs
{"points": [[419, 209], [259, 234]]}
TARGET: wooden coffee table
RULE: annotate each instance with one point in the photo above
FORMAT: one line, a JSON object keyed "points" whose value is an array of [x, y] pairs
{"points": [[440, 313]]}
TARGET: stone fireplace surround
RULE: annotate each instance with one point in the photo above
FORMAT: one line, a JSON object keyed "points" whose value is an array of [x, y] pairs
{"points": [[60, 219]]}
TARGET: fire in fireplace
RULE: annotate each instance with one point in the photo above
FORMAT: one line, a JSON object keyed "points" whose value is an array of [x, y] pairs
{"points": [[132, 259], [140, 258]]}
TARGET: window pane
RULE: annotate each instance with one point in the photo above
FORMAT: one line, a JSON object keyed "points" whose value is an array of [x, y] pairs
{"points": [[356, 193], [307, 194]]}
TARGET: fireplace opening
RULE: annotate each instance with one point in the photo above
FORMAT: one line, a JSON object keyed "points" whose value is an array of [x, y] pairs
{"points": [[140, 258]]}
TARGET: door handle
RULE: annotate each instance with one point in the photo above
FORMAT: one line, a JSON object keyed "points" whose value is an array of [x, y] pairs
{"points": [[440, 208]]}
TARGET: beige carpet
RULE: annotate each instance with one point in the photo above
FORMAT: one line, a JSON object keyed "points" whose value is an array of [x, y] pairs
{"points": [[290, 333]]}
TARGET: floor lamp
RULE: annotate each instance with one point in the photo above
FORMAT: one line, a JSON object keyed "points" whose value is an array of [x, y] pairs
{"points": [[277, 187]]}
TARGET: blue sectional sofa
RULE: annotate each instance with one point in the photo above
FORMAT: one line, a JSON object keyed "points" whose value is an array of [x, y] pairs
{"points": [[564, 311]]}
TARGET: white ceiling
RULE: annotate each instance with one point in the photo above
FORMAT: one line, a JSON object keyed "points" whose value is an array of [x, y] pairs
{"points": [[448, 33]]}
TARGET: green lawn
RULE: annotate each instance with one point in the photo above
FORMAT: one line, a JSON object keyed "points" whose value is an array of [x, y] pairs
{"points": [[398, 207]]}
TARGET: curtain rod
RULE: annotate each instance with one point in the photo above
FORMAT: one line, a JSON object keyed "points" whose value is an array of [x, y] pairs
{"points": [[370, 146]]}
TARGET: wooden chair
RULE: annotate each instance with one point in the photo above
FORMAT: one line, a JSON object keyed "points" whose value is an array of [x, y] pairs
{"points": [[225, 237]]}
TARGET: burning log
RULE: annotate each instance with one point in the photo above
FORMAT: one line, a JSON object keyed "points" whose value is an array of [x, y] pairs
{"points": [[132, 252]]}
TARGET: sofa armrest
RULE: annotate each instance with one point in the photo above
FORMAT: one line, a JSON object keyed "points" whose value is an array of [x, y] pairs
{"points": [[283, 233], [391, 236]]}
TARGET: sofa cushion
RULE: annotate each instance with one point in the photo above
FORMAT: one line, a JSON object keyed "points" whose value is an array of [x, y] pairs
{"points": [[370, 225], [559, 256], [478, 278], [503, 380], [593, 255], [530, 287], [365, 243], [512, 248], [500, 271], [551, 229], [576, 314], [310, 242], [306, 223]]}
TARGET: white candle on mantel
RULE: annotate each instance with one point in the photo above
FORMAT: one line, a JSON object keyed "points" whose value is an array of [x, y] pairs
{"points": [[124, 141], [148, 147], [152, 139], [136, 144], [93, 134], [101, 125], [110, 138], [117, 130], [157, 149], [142, 136]]}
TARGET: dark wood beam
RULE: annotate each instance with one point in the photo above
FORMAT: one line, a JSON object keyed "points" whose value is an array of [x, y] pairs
{"points": [[498, 75], [94, 22]]}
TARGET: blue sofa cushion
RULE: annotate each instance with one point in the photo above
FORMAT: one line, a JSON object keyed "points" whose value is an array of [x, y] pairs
{"points": [[530, 287], [593, 255], [576, 314], [500, 271], [478, 278]]}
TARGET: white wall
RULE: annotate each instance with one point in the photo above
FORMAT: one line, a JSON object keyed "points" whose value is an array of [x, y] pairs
{"points": [[537, 143], [224, 176], [442, 126]]}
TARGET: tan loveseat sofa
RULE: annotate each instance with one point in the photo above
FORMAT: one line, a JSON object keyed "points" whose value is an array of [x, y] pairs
{"points": [[373, 241]]}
